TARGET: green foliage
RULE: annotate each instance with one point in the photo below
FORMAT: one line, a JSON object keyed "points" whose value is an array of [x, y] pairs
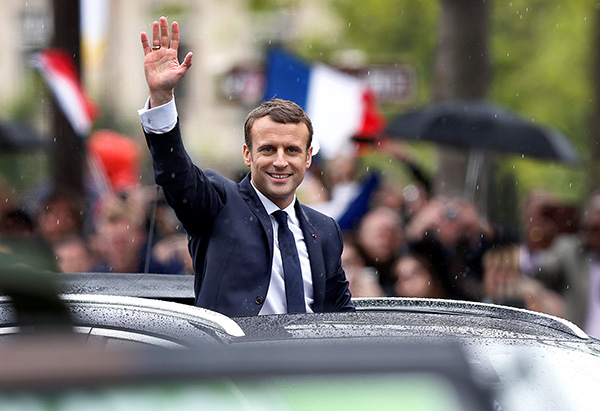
{"points": [[541, 53]]}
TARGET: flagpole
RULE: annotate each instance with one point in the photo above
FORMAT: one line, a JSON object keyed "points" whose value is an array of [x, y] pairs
{"points": [[68, 148]]}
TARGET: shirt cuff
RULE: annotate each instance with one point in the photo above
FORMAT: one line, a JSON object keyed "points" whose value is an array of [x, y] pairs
{"points": [[158, 120]]}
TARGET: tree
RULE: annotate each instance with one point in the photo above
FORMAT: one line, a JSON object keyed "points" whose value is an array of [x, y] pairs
{"points": [[461, 72]]}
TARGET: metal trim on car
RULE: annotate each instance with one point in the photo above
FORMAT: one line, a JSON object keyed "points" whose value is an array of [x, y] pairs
{"points": [[432, 305], [187, 312]]}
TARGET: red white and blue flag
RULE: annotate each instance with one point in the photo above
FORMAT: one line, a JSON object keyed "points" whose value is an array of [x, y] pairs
{"points": [[340, 106], [59, 70]]}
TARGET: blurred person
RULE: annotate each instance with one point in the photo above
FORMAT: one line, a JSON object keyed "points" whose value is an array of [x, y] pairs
{"points": [[363, 280], [350, 191], [414, 198], [173, 250], [73, 255], [17, 224], [539, 229], [504, 283], [345, 193], [380, 239], [415, 278], [389, 195], [571, 267], [421, 271], [165, 223], [60, 215], [237, 231], [464, 236], [120, 240], [414, 195]]}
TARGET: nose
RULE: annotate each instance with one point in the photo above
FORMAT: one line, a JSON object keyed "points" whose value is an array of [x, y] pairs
{"points": [[280, 160]]}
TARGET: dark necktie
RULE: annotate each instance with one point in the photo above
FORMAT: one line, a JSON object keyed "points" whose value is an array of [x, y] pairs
{"points": [[294, 289]]}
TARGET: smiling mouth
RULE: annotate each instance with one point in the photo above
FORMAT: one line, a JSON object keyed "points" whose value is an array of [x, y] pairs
{"points": [[279, 176]]}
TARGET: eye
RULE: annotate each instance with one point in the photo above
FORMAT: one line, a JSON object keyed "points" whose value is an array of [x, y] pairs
{"points": [[266, 149]]}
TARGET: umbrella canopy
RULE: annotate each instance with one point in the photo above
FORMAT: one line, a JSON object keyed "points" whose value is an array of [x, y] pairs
{"points": [[15, 136], [483, 126]]}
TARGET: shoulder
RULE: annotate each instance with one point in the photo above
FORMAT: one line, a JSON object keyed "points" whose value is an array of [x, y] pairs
{"points": [[317, 221], [315, 216]]}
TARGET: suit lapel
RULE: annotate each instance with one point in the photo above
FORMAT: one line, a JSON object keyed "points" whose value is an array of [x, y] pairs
{"points": [[251, 198], [313, 242], [317, 266]]}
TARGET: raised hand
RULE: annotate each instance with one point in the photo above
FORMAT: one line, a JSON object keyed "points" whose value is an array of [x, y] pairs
{"points": [[161, 66]]}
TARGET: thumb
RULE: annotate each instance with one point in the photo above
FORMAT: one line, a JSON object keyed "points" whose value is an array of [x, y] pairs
{"points": [[187, 61]]}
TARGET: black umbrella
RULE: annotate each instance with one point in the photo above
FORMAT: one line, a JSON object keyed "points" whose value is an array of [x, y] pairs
{"points": [[482, 126], [16, 136]]}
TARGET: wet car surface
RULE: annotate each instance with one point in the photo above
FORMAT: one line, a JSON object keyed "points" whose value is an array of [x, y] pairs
{"points": [[464, 355]]}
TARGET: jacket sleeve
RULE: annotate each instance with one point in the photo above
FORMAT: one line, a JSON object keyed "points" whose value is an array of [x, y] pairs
{"points": [[190, 191]]}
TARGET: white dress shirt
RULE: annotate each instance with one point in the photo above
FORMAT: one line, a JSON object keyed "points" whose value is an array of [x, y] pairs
{"points": [[163, 119], [276, 301]]}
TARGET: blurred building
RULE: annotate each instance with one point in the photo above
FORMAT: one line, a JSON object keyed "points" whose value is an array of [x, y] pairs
{"points": [[227, 38]]}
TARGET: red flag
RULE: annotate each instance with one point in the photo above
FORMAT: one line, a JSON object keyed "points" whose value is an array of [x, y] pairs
{"points": [[59, 71]]}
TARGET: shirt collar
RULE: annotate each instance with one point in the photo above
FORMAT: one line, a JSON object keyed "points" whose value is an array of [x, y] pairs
{"points": [[271, 207]]}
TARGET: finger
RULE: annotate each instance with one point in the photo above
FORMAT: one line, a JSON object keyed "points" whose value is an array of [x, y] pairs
{"points": [[174, 35], [155, 34], [187, 61], [164, 32], [145, 43]]}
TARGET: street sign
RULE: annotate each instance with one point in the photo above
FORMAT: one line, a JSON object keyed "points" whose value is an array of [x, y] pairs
{"points": [[395, 83]]}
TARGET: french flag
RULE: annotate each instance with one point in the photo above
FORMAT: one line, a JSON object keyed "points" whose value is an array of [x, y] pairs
{"points": [[59, 70], [341, 106]]}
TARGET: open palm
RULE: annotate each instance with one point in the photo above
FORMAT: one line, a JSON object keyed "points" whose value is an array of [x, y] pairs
{"points": [[161, 65]]}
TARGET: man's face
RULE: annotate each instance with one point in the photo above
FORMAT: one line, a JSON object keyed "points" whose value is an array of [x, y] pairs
{"points": [[279, 159]]}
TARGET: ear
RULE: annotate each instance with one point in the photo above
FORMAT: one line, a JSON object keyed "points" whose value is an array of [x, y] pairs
{"points": [[309, 157], [247, 156]]}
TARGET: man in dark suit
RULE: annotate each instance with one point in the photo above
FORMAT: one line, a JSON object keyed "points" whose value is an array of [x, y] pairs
{"points": [[234, 228]]}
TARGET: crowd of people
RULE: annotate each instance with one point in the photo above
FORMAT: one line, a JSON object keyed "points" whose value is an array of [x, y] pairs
{"points": [[399, 240]]}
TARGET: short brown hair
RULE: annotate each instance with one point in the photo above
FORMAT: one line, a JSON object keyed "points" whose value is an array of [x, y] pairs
{"points": [[280, 111]]}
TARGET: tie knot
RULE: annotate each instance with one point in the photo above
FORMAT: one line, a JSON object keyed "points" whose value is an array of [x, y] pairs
{"points": [[281, 217]]}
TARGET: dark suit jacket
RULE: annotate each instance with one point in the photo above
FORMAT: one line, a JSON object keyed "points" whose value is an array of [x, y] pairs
{"points": [[231, 236]]}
